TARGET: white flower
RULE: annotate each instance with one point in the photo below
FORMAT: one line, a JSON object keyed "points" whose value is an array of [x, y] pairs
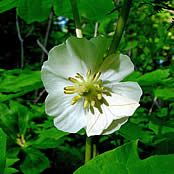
{"points": [[84, 91]]}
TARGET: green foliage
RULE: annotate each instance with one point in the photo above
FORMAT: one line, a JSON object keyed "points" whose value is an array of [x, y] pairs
{"points": [[48, 138], [2, 150], [32, 11], [6, 5], [15, 83], [125, 160], [153, 78], [132, 131], [9, 163], [34, 162]]}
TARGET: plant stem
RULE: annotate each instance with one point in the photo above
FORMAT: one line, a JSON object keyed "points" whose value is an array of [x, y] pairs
{"points": [[76, 18], [94, 151], [21, 42], [47, 34], [120, 26], [88, 150]]}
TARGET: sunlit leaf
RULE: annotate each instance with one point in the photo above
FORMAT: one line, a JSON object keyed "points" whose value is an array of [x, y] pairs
{"points": [[125, 159]]}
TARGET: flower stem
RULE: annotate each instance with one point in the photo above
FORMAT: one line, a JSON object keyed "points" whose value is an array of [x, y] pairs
{"points": [[76, 18], [94, 150], [120, 26], [88, 150]]}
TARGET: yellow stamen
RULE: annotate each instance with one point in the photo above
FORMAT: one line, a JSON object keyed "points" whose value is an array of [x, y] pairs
{"points": [[99, 82], [86, 103], [73, 80], [93, 76], [69, 88], [88, 74], [100, 89], [79, 76], [99, 96], [92, 103], [97, 76], [69, 92], [75, 99]]}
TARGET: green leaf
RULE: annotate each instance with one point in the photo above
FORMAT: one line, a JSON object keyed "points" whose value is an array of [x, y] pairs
{"points": [[91, 9], [34, 162], [63, 8], [49, 138], [95, 9], [10, 170], [7, 121], [165, 93], [153, 78], [6, 5], [32, 11], [14, 83], [132, 131], [2, 151], [22, 114], [125, 159], [10, 162]]}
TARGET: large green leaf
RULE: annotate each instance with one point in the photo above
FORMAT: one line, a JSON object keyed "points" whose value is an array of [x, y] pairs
{"points": [[37, 10], [2, 151], [34, 162], [125, 159], [91, 9], [6, 5]]}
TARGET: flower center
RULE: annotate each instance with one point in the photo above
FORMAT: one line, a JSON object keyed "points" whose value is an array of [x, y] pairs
{"points": [[89, 88]]}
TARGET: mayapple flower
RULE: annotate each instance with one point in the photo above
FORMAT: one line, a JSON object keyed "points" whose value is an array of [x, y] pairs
{"points": [[84, 88]]}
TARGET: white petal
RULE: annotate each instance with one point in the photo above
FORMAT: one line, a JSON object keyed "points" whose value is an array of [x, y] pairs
{"points": [[69, 118], [72, 119], [121, 106], [129, 89], [116, 124], [52, 82], [97, 122], [115, 68], [112, 116], [90, 51], [62, 63], [55, 104]]}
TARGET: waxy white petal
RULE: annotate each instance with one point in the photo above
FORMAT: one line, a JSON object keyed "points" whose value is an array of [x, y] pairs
{"points": [[128, 89], [69, 118], [52, 82], [62, 63], [115, 67], [97, 122], [121, 106], [72, 119], [103, 123]]}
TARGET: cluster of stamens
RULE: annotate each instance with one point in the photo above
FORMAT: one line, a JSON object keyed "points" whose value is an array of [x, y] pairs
{"points": [[90, 89]]}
